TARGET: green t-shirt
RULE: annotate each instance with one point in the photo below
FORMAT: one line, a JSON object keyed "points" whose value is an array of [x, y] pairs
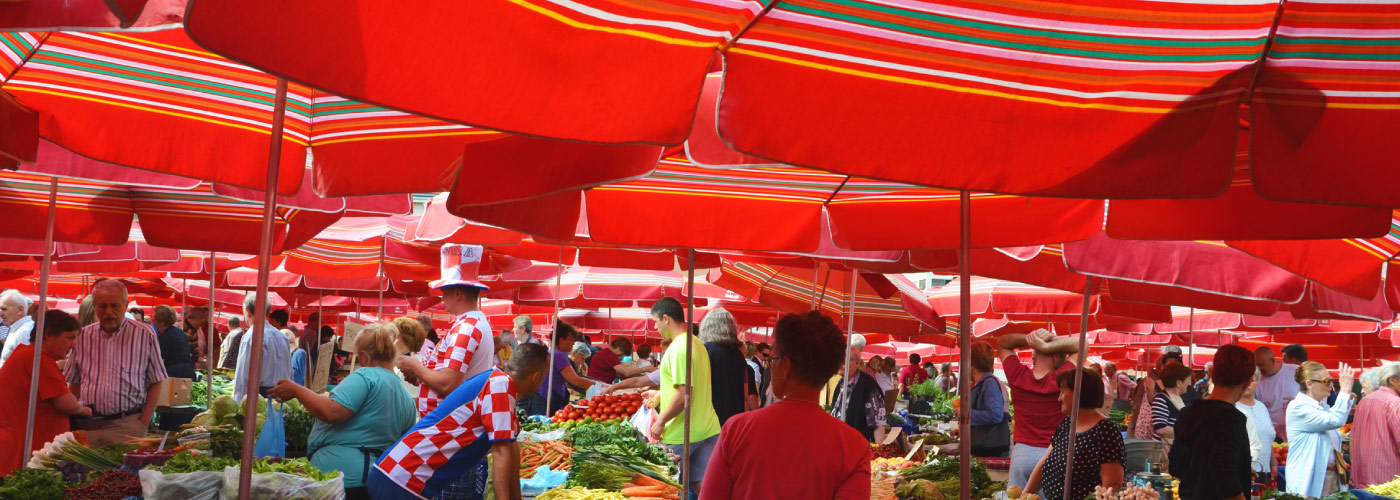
{"points": [[383, 413], [703, 421]]}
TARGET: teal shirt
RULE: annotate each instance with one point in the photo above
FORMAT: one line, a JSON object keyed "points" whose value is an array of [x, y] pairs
{"points": [[383, 413]]}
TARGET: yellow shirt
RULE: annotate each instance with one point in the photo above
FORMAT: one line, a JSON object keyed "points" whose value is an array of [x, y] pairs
{"points": [[704, 423]]}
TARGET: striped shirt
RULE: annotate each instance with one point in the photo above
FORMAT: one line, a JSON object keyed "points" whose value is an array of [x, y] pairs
{"points": [[1375, 438], [114, 371], [468, 348], [1164, 413]]}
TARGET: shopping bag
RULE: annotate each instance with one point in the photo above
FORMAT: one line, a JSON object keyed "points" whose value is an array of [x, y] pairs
{"points": [[272, 441], [643, 419], [284, 486], [200, 485]]}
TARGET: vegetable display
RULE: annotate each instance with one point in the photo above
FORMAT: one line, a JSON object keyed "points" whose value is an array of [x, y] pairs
{"points": [[185, 462], [891, 450], [643, 487], [66, 447], [1133, 493], [555, 454], [107, 485], [1390, 489], [943, 475], [295, 466], [600, 408], [298, 423], [199, 390], [580, 494], [33, 484]]}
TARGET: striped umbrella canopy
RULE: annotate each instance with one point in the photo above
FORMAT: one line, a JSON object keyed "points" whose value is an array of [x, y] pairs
{"points": [[991, 298], [596, 287], [1352, 265], [186, 106], [883, 304], [85, 211], [1002, 95], [785, 209]]}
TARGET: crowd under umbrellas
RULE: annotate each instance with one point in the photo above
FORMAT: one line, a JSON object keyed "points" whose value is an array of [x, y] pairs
{"points": [[1314, 278]]}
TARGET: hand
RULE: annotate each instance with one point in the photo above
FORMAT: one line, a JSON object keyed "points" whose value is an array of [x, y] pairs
{"points": [[657, 428], [146, 419], [1037, 339], [607, 390], [84, 412], [284, 390], [1347, 375], [409, 365], [412, 379]]}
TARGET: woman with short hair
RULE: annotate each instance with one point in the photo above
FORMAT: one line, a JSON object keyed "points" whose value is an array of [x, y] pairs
{"points": [[55, 403], [1098, 446], [755, 454], [362, 416], [988, 405], [174, 344], [1167, 405], [1314, 446]]}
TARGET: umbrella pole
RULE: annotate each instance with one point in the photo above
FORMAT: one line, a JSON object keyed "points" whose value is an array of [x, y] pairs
{"points": [[1191, 349], [210, 348], [816, 273], [1078, 382], [250, 413], [843, 400], [36, 336], [689, 357], [965, 335], [554, 336], [382, 285]]}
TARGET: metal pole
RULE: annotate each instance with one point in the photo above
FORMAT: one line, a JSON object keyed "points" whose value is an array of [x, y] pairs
{"points": [[554, 336], [965, 335], [843, 400], [212, 346], [816, 273], [689, 357], [1191, 349], [36, 336], [1078, 384], [250, 413], [382, 286]]}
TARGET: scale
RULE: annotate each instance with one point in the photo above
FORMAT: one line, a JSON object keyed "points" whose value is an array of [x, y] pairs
{"points": [[1161, 483]]}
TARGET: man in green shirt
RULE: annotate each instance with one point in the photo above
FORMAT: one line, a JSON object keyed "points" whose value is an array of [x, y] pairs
{"points": [[704, 423]]}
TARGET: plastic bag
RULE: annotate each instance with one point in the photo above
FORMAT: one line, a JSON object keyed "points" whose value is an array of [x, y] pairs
{"points": [[532, 437], [643, 419], [202, 485], [545, 479], [284, 486], [272, 442]]}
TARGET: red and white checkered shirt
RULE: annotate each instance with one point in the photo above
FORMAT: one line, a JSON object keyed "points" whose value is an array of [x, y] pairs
{"points": [[468, 348], [452, 439]]}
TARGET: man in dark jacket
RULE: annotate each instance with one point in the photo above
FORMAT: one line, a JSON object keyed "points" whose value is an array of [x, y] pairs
{"points": [[1211, 452]]}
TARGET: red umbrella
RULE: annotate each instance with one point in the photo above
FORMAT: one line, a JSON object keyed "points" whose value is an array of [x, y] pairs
{"points": [[593, 287], [1349, 265], [783, 210], [996, 298], [89, 14]]}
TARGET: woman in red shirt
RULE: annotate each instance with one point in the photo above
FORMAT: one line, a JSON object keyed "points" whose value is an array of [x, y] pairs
{"points": [[758, 447], [55, 402]]}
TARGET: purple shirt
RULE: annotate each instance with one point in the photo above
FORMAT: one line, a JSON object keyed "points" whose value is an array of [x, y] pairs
{"points": [[561, 361]]}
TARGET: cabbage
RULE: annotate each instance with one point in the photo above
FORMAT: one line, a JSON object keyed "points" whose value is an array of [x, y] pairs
{"points": [[224, 406]]}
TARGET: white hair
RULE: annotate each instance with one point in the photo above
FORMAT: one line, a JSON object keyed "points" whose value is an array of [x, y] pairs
{"points": [[858, 341], [1371, 378], [523, 321], [13, 296], [250, 304], [719, 327], [112, 284], [1387, 372]]}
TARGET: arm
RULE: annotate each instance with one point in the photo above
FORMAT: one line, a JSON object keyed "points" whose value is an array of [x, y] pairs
{"points": [[148, 412], [1033, 484], [320, 406], [506, 480], [671, 409], [1111, 475], [1008, 344], [67, 404], [631, 371], [1048, 343], [442, 381], [572, 377], [631, 383], [1311, 419]]}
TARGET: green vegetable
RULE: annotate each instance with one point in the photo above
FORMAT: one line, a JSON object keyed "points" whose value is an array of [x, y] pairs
{"points": [[226, 441], [298, 423], [945, 469], [33, 484], [295, 466], [1344, 495], [185, 462], [116, 452]]}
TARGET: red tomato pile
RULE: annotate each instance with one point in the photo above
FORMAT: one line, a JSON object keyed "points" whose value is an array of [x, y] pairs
{"points": [[600, 408]]}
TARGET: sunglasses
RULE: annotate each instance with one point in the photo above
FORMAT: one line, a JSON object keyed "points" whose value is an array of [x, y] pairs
{"points": [[1327, 381]]}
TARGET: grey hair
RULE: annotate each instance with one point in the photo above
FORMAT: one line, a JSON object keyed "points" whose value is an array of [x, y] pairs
{"points": [[719, 327], [858, 341], [1387, 372], [250, 304], [523, 321], [581, 348], [13, 296], [111, 284], [234, 321], [1371, 378]]}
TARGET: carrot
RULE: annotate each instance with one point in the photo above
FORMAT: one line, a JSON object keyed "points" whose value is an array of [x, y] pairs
{"points": [[671, 496], [645, 480], [643, 491], [629, 485]]}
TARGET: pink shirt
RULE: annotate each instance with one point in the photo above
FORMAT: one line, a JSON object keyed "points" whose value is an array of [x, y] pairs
{"points": [[770, 453], [1037, 402], [1375, 437]]}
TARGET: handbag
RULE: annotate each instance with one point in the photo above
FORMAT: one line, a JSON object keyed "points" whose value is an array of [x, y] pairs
{"points": [[992, 440]]}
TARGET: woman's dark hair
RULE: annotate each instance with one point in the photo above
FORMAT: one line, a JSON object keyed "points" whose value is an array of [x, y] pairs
{"points": [[327, 331], [982, 357], [623, 344], [813, 345], [643, 350], [57, 322], [1232, 366], [564, 334], [1090, 393], [428, 329], [1173, 373]]}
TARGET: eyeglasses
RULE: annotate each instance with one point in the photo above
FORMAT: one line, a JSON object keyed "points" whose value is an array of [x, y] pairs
{"points": [[1327, 381]]}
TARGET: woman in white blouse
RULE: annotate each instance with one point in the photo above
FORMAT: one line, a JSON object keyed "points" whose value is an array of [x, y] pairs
{"points": [[1261, 431], [1314, 446]]}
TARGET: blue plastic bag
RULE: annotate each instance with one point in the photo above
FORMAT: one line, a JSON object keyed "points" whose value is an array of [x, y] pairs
{"points": [[272, 441]]}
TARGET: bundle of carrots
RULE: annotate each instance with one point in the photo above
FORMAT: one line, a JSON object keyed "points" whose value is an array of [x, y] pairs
{"points": [[555, 454], [643, 487]]}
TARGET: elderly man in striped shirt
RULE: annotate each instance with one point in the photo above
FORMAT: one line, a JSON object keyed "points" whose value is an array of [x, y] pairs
{"points": [[1375, 440], [115, 367]]}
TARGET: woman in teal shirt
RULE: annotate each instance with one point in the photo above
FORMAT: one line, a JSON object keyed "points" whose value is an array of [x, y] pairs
{"points": [[365, 414]]}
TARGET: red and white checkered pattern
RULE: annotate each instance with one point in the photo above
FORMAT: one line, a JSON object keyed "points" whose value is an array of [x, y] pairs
{"points": [[469, 348], [491, 416]]}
